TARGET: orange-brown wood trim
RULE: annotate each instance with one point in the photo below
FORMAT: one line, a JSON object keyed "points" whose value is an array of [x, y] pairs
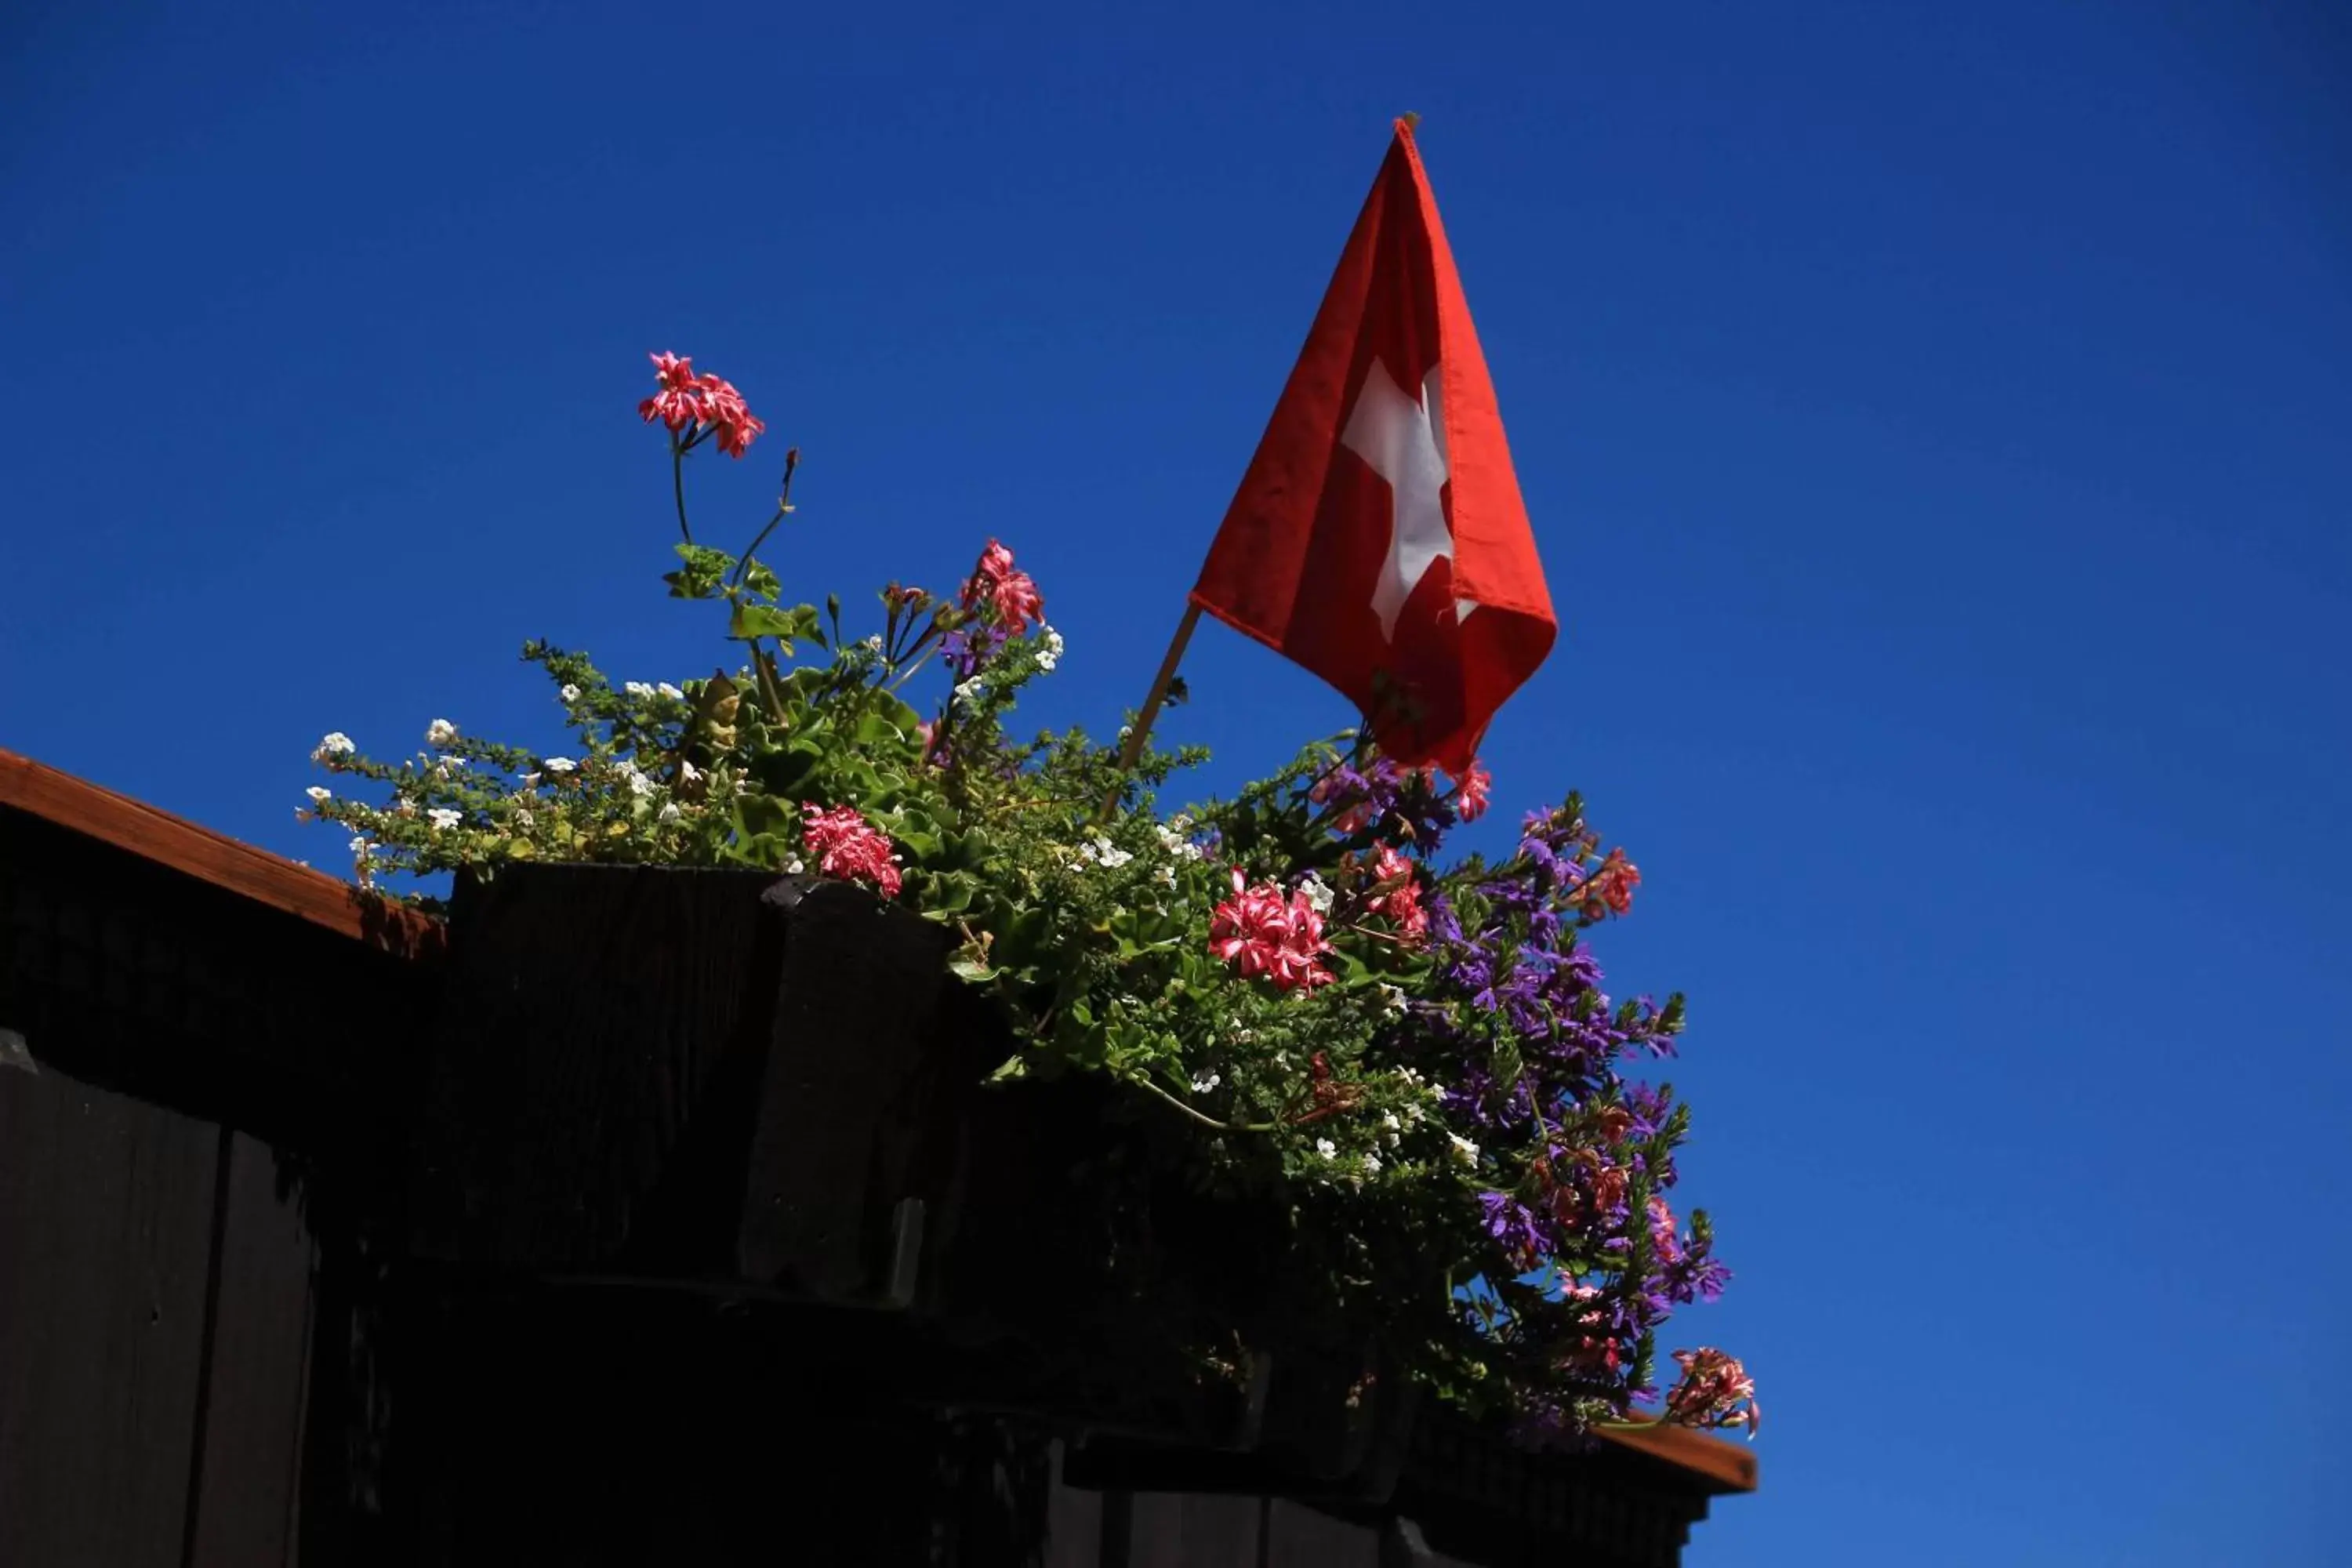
{"points": [[86, 809], [1732, 1464]]}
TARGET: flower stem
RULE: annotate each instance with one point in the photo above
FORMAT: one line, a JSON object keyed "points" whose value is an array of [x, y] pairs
{"points": [[677, 484], [783, 505], [1203, 1120]]}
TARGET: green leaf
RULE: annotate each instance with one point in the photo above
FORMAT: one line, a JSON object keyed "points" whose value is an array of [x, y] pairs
{"points": [[703, 576], [979, 974], [750, 622], [882, 730], [760, 814]]}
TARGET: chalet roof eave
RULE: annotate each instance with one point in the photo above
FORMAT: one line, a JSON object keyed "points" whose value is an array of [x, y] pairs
{"points": [[137, 828]]}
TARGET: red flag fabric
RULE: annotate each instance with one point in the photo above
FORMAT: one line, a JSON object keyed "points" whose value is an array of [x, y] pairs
{"points": [[1379, 538]]}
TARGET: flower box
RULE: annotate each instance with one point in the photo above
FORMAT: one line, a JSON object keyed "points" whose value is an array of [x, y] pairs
{"points": [[774, 1089], [694, 1075]]}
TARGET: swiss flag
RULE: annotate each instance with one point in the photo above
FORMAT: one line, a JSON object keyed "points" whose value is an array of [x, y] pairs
{"points": [[1379, 538]]}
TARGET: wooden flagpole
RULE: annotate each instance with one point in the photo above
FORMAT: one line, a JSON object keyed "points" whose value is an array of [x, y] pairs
{"points": [[1129, 753]]}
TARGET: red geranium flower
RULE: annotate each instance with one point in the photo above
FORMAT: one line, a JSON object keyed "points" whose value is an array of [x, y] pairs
{"points": [[1264, 933], [1471, 791], [1612, 885], [850, 847], [1396, 895], [709, 402], [1713, 1389], [678, 403], [998, 581]]}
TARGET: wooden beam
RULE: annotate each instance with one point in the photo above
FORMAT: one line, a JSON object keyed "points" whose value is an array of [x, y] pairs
{"points": [[138, 829], [1732, 1464]]}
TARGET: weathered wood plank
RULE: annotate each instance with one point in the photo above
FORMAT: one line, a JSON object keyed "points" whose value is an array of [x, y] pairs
{"points": [[1299, 1537], [667, 1073], [1073, 1521], [1190, 1529], [253, 1441], [1404, 1545], [604, 1088], [855, 1064], [106, 1224]]}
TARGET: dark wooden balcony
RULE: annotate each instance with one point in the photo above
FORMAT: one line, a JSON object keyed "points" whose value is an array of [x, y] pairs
{"points": [[330, 1235]]}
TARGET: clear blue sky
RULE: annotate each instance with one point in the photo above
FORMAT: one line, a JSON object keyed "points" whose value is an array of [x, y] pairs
{"points": [[1937, 424]]}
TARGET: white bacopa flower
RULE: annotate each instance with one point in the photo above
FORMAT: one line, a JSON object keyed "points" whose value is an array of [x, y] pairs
{"points": [[636, 688], [336, 745], [318, 794], [874, 643], [1388, 1119], [966, 690], [1103, 853], [1173, 840], [686, 771], [672, 692], [1372, 1165], [1324, 1147], [1206, 1082], [1053, 642], [530, 781], [1319, 893], [1393, 997], [669, 812], [634, 776], [793, 867], [360, 847], [1165, 876], [569, 692], [557, 764], [443, 819], [440, 732], [1464, 1149], [523, 819]]}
